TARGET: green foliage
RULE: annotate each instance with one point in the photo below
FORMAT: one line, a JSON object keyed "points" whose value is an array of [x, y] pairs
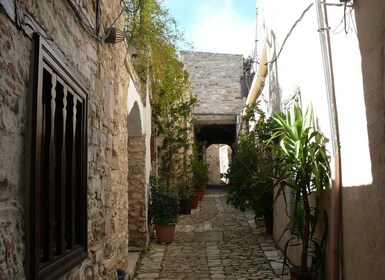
{"points": [[163, 205], [200, 172], [173, 122], [154, 34], [302, 165], [241, 173], [250, 186], [185, 189]]}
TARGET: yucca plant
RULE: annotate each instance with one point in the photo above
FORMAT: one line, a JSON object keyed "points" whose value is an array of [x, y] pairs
{"points": [[302, 167]]}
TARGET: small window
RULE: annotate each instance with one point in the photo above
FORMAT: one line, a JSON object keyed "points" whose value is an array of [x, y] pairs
{"points": [[56, 198]]}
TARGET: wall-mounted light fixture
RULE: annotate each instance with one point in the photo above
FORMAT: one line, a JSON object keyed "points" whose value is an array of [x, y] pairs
{"points": [[114, 35]]}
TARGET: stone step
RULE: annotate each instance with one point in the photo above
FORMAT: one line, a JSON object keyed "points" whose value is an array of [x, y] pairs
{"points": [[133, 259]]}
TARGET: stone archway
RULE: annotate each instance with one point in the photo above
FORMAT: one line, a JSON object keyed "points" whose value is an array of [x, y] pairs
{"points": [[218, 157]]}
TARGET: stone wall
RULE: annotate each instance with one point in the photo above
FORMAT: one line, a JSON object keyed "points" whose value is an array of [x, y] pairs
{"points": [[216, 80], [14, 64], [106, 71], [213, 159], [137, 216]]}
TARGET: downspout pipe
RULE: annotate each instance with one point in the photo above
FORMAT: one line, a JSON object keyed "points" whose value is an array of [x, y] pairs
{"points": [[336, 192]]}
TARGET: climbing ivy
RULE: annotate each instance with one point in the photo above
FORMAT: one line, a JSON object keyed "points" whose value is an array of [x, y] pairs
{"points": [[154, 34], [173, 121]]}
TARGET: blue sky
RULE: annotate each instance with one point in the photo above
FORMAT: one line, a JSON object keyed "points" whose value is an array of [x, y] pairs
{"points": [[222, 26]]}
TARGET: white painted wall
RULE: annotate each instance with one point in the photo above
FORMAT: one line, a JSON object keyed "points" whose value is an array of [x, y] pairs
{"points": [[300, 66], [148, 126], [356, 163], [224, 161], [133, 96]]}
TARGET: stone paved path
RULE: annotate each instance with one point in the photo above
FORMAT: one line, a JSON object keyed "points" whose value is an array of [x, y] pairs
{"points": [[214, 242]]}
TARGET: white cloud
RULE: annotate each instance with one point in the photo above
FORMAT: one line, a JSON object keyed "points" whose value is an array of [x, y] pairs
{"points": [[221, 29]]}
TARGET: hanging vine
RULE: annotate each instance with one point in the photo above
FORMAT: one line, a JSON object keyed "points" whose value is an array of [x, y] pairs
{"points": [[153, 33]]}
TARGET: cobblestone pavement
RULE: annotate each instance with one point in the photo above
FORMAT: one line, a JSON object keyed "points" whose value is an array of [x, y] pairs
{"points": [[214, 242]]}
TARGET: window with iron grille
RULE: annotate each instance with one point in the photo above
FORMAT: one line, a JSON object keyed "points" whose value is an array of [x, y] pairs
{"points": [[56, 202]]}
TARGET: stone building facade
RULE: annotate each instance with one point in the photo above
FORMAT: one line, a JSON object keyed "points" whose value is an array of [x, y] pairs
{"points": [[117, 124], [216, 80]]}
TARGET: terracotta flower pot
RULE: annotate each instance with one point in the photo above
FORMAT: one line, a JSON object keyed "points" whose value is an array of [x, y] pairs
{"points": [[185, 206], [165, 233], [200, 193], [195, 202], [295, 274], [269, 222]]}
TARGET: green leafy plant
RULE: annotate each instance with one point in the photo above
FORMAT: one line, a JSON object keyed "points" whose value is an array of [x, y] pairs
{"points": [[173, 123], [302, 166], [200, 173], [163, 205], [250, 185], [241, 173], [154, 35], [185, 189]]}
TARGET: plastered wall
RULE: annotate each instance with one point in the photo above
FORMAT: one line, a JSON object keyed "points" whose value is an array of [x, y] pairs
{"points": [[358, 67]]}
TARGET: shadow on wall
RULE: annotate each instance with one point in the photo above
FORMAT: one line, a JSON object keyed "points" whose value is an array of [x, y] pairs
{"points": [[134, 122], [372, 47], [275, 93], [363, 207], [363, 227]]}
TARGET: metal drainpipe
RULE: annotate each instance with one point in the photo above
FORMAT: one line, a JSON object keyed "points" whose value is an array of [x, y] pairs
{"points": [[336, 209]]}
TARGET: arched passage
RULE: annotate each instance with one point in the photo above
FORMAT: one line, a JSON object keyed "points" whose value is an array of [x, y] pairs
{"points": [[217, 140], [218, 157], [216, 133]]}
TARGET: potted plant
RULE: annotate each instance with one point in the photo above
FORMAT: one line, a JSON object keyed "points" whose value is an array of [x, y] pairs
{"points": [[250, 185], [163, 211], [185, 194], [200, 176], [302, 166]]}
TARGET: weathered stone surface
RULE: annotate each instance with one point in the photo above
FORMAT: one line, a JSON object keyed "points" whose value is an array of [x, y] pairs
{"points": [[137, 196], [215, 242], [106, 72], [216, 80], [212, 159]]}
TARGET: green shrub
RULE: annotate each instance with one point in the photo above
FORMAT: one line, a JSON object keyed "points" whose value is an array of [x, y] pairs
{"points": [[163, 206], [200, 171]]}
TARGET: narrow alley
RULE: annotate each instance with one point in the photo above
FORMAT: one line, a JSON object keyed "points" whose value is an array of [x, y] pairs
{"points": [[214, 242], [116, 113]]}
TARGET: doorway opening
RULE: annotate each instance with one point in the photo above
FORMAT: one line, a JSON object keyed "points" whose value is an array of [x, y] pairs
{"points": [[218, 157]]}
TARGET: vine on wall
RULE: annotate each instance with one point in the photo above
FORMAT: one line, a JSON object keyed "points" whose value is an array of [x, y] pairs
{"points": [[154, 35]]}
